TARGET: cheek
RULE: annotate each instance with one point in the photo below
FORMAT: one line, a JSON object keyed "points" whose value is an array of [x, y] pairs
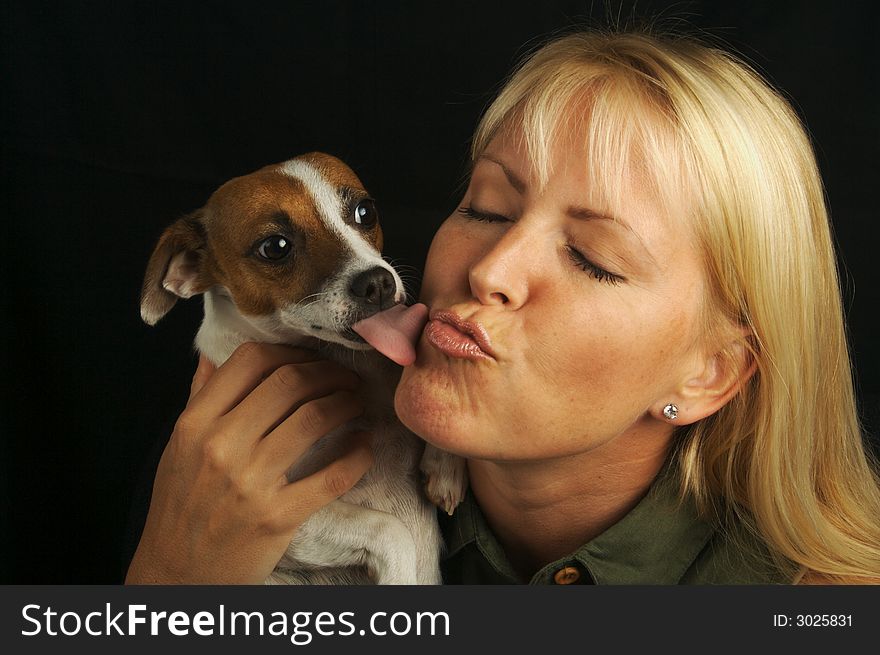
{"points": [[605, 352], [447, 264]]}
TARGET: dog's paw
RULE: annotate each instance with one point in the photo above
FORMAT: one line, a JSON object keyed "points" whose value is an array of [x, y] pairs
{"points": [[445, 478], [445, 493]]}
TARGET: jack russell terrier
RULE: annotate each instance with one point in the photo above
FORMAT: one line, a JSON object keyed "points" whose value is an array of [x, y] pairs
{"points": [[291, 254]]}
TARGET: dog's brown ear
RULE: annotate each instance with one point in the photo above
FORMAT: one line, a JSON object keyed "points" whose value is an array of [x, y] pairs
{"points": [[175, 268]]}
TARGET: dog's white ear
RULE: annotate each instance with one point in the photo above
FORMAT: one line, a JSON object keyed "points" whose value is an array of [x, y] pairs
{"points": [[175, 268]]}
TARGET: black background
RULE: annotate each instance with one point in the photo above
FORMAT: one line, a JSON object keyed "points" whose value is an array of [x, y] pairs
{"points": [[117, 118]]}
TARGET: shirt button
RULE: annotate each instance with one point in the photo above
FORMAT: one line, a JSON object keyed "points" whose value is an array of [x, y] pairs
{"points": [[567, 575]]}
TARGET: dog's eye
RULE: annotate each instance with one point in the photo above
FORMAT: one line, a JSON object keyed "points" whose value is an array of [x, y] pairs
{"points": [[274, 248], [365, 214]]}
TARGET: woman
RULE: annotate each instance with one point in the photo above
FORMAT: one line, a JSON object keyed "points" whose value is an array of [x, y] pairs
{"points": [[661, 392]]}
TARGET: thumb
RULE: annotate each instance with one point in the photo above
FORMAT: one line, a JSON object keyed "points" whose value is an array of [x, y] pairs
{"points": [[203, 373]]}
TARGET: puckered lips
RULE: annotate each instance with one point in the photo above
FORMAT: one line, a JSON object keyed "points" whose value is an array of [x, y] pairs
{"points": [[458, 338]]}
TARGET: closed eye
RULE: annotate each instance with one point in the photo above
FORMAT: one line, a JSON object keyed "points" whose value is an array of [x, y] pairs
{"points": [[483, 217], [595, 272]]}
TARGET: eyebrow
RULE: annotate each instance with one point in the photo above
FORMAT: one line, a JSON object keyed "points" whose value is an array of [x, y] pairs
{"points": [[515, 181], [579, 213], [587, 214]]}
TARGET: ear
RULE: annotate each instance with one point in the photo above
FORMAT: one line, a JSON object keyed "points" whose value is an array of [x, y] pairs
{"points": [[718, 376], [175, 268]]}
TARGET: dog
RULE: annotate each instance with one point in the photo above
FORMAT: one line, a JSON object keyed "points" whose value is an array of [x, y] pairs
{"points": [[292, 254]]}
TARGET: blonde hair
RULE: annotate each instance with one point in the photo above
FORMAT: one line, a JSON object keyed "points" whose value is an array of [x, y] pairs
{"points": [[786, 457]]}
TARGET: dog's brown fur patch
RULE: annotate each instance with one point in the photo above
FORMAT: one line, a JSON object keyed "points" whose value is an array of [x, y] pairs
{"points": [[248, 209]]}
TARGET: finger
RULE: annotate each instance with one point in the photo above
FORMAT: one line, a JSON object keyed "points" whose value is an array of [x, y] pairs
{"points": [[240, 374], [285, 390], [289, 441], [299, 500], [204, 371]]}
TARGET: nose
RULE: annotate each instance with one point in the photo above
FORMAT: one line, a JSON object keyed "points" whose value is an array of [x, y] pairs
{"points": [[374, 286], [500, 275]]}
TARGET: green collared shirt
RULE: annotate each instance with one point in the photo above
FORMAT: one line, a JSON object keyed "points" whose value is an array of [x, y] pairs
{"points": [[660, 541]]}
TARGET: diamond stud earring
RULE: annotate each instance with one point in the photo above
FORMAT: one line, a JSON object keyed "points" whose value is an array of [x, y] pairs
{"points": [[670, 412]]}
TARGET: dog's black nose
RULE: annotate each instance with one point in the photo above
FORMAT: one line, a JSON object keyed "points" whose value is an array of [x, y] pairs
{"points": [[375, 286]]}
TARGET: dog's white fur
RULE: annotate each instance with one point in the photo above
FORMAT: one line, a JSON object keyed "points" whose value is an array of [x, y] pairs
{"points": [[383, 530]]}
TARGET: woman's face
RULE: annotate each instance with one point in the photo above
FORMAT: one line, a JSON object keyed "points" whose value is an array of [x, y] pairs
{"points": [[591, 323]]}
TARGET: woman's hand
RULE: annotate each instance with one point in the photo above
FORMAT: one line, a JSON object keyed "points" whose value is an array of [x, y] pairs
{"points": [[222, 510]]}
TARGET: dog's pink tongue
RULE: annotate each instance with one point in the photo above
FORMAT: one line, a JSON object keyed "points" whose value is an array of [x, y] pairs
{"points": [[395, 331]]}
